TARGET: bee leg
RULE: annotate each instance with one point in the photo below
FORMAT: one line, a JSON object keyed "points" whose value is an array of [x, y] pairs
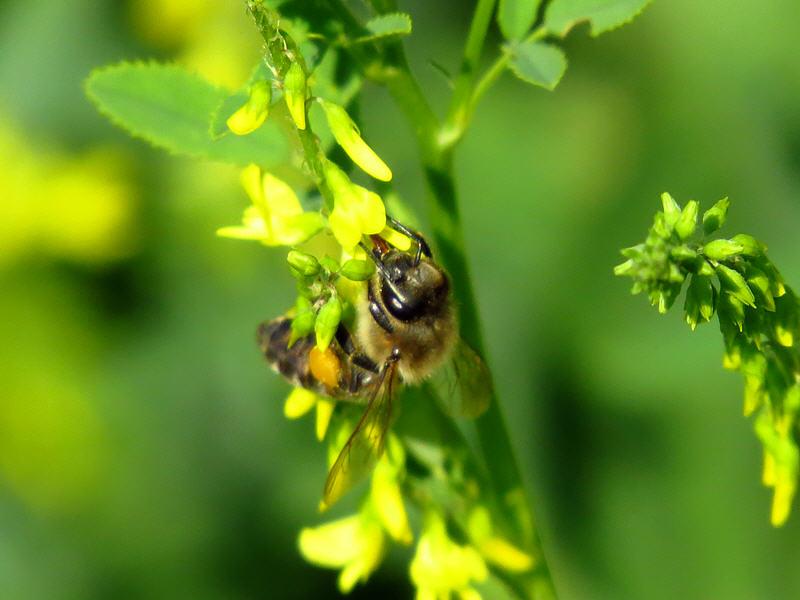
{"points": [[422, 245], [357, 358]]}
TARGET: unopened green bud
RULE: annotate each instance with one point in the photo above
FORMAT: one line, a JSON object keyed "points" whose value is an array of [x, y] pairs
{"points": [[706, 269], [295, 90], [634, 252], [303, 321], [357, 270], [786, 319], [683, 254], [750, 245], [734, 283], [672, 211], [666, 298], [254, 112], [331, 264], [700, 301], [327, 322], [687, 222], [625, 268], [732, 309], [722, 249], [349, 138], [302, 263], [714, 217], [760, 285]]}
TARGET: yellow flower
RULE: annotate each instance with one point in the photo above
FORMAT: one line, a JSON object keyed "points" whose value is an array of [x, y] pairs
{"points": [[385, 493], [781, 463], [252, 113], [294, 92], [494, 548], [349, 138], [275, 217], [356, 212], [354, 544], [441, 567], [300, 401]]}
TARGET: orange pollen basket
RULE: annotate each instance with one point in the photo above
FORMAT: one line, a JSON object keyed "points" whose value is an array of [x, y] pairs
{"points": [[325, 367]]}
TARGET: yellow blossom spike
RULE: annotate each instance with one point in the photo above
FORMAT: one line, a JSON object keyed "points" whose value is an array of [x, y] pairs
{"points": [[254, 112], [294, 91], [299, 402], [349, 138], [325, 408]]}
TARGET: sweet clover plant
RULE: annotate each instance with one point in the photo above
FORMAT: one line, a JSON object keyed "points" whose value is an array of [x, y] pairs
{"points": [[318, 188]]}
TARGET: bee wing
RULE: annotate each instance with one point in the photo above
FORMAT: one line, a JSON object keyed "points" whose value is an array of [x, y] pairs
{"points": [[362, 449], [465, 384]]}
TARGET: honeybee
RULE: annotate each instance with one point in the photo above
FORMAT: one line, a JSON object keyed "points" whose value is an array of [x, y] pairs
{"points": [[406, 330]]}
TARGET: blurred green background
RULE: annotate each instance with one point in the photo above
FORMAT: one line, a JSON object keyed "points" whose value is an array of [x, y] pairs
{"points": [[143, 451]]}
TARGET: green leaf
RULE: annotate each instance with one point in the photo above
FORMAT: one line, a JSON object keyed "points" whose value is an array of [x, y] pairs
{"points": [[515, 17], [386, 26], [171, 108], [538, 63], [604, 15]]}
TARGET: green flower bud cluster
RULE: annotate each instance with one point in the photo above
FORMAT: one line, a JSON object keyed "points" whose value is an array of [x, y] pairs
{"points": [[759, 317], [320, 305]]}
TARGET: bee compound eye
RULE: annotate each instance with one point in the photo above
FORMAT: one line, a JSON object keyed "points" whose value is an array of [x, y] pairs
{"points": [[400, 307]]}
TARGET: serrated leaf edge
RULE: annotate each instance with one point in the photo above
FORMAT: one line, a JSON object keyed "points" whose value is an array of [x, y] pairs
{"points": [[594, 32]]}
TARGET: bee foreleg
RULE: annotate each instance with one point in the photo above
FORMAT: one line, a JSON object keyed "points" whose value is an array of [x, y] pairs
{"points": [[422, 245]]}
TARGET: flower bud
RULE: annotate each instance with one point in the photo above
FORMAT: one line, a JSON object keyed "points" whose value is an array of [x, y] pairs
{"points": [[732, 309], [625, 268], [786, 319], [722, 249], [357, 270], [349, 138], [700, 301], [294, 91], [714, 217], [672, 211], [302, 263], [759, 283], [687, 221], [252, 113], [735, 284], [750, 245], [683, 253], [303, 321], [327, 322]]}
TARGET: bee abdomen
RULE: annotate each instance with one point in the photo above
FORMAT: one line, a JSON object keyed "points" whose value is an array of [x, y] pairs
{"points": [[292, 363]]}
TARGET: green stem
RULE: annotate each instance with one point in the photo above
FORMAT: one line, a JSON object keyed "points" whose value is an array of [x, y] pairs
{"points": [[473, 50], [437, 164]]}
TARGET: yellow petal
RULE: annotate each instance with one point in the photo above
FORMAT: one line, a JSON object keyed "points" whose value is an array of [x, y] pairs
{"points": [[280, 198], [344, 228], [348, 137], [396, 239], [370, 210], [294, 92], [325, 408], [504, 554], [298, 402], [297, 229], [251, 182], [388, 502], [333, 544]]}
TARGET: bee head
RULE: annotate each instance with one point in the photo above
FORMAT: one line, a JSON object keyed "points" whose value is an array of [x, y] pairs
{"points": [[412, 288]]}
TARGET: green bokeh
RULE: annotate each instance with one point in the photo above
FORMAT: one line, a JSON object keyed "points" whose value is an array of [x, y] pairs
{"points": [[143, 449]]}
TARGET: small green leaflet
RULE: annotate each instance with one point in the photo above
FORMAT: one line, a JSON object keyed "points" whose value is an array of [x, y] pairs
{"points": [[172, 108], [538, 63], [387, 25], [515, 17], [604, 15]]}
